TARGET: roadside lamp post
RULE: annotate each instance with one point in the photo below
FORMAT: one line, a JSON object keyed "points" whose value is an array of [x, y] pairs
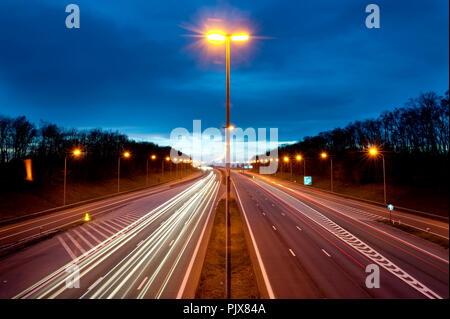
{"points": [[125, 155], [373, 151], [300, 158], [76, 152], [153, 157], [167, 159], [220, 38], [324, 156]]}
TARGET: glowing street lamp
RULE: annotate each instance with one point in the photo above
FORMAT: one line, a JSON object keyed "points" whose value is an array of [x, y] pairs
{"points": [[219, 38], [325, 155], [300, 158], [75, 153], [153, 157], [125, 155], [373, 151], [167, 159]]}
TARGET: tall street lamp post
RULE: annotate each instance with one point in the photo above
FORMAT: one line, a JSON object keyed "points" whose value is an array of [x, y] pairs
{"points": [[227, 38], [325, 155], [373, 151], [153, 157], [300, 158], [125, 155], [76, 152]]}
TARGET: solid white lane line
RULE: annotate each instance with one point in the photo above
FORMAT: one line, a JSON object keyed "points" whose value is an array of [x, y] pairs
{"points": [[82, 250], [290, 250], [194, 255], [353, 241], [113, 244], [83, 239], [381, 231], [258, 255], [71, 254], [298, 228], [142, 283], [325, 252], [74, 210]]}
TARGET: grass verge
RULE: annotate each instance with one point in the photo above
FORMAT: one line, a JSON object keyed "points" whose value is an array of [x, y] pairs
{"points": [[18, 204], [420, 233], [212, 278]]}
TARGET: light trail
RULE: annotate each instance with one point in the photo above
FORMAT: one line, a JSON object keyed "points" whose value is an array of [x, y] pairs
{"points": [[286, 200], [186, 213]]}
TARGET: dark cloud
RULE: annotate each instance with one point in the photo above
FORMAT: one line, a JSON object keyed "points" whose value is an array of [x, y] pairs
{"points": [[129, 65]]}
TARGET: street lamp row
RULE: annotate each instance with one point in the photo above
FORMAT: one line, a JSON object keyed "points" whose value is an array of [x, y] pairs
{"points": [[373, 151], [78, 152]]}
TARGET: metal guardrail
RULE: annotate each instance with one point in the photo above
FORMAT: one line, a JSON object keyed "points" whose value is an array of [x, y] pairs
{"points": [[80, 203], [397, 208]]}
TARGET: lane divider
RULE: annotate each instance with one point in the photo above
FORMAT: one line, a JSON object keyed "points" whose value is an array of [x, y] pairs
{"points": [[361, 247]]}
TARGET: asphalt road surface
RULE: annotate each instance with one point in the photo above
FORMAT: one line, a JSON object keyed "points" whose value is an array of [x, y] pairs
{"points": [[31, 228], [309, 245], [143, 247]]}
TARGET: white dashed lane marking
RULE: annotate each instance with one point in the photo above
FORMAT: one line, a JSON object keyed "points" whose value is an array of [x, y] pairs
{"points": [[325, 252]]}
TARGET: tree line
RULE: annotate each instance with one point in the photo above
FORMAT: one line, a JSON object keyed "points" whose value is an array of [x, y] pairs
{"points": [[414, 138], [48, 144]]}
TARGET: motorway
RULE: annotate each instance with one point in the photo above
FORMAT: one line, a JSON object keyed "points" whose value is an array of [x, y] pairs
{"points": [[31, 228], [308, 245], [139, 245]]}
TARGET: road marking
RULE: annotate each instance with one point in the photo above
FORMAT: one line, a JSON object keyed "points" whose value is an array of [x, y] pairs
{"points": [[283, 214], [122, 198], [377, 229], [355, 243], [121, 227], [325, 252], [82, 250], [105, 229], [292, 253], [274, 228], [99, 232], [171, 242], [91, 235], [142, 283], [71, 254], [120, 223], [258, 255], [83, 239], [264, 214], [108, 223], [194, 255], [298, 228], [139, 243]]}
